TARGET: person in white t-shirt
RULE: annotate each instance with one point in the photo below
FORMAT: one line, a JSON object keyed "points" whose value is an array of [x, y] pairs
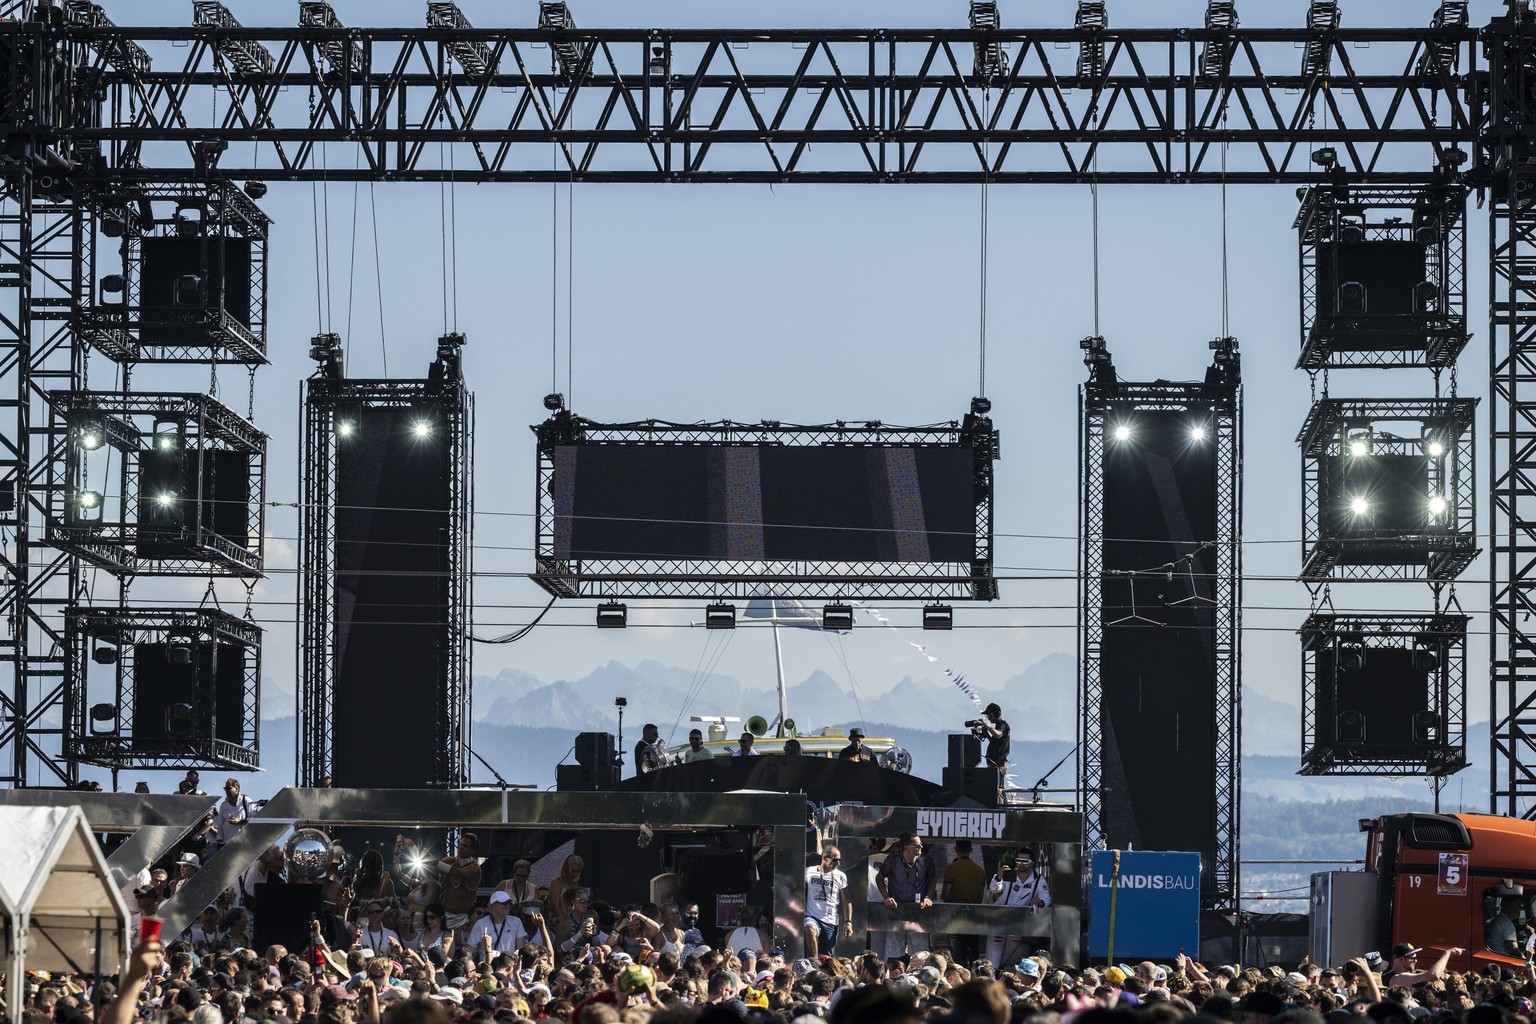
{"points": [[498, 932], [827, 902], [1016, 885], [234, 811], [372, 932]]}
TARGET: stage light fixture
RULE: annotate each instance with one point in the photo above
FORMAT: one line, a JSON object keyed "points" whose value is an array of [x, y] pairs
{"points": [[165, 500], [1197, 433], [1325, 157], [255, 189], [554, 401], [113, 284], [88, 499], [1437, 506], [1435, 449], [103, 713], [1359, 506], [1358, 448], [612, 615], [344, 428], [1425, 659], [938, 616], [1351, 659], [165, 442], [837, 618], [1122, 433], [720, 616], [422, 428]]}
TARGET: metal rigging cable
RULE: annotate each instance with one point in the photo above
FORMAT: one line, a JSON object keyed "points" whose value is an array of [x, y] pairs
{"points": [[378, 276], [1226, 322], [986, 175]]}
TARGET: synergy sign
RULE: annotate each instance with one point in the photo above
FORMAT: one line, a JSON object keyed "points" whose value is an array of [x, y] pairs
{"points": [[961, 824], [1154, 904]]}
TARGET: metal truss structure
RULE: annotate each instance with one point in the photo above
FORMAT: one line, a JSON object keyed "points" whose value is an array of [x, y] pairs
{"points": [[93, 109], [1442, 749], [1341, 326], [102, 715], [1439, 545], [324, 395], [720, 579], [108, 527], [1104, 400]]}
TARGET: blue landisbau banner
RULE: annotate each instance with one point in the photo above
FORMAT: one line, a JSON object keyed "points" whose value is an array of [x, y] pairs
{"points": [[1156, 910]]}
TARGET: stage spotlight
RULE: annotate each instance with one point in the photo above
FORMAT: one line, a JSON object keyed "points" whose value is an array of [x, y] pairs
{"points": [[720, 616], [422, 428], [344, 428], [165, 500], [612, 615], [166, 442], [1358, 448], [1198, 433], [1359, 506], [1122, 433], [90, 440], [1437, 506], [1425, 659], [938, 616], [88, 499], [1435, 449], [837, 618]]}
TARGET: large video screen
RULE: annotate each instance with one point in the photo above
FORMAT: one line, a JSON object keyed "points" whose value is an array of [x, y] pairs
{"points": [[819, 503], [1158, 660]]}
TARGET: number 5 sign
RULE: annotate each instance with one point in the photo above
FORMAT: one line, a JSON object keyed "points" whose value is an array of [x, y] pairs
{"points": [[1452, 880]]}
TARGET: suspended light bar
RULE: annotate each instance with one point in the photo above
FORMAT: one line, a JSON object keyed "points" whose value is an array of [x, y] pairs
{"points": [[337, 52], [991, 61], [246, 55], [473, 57], [938, 616], [612, 615], [1322, 16], [837, 618], [555, 16], [720, 616], [123, 55], [1443, 56], [1216, 58], [1091, 14]]}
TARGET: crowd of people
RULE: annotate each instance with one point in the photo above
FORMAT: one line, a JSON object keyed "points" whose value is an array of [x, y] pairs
{"points": [[599, 981]]}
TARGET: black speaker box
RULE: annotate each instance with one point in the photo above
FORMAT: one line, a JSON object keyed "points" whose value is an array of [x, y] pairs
{"points": [[1383, 703], [978, 784], [211, 680], [964, 750], [223, 269], [282, 913], [594, 748], [585, 778]]}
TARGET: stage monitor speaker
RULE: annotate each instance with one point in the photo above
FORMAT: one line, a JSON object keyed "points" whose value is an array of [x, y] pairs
{"points": [[581, 778], [187, 275], [281, 914], [594, 748], [978, 784], [964, 750], [1380, 702]]}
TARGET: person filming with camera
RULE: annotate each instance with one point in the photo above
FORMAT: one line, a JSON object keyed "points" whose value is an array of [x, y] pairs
{"points": [[1015, 885], [992, 728]]}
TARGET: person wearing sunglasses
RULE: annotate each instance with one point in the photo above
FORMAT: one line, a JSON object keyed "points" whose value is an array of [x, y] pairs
{"points": [[827, 903]]}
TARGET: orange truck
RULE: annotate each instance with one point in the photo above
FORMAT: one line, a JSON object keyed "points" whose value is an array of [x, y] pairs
{"points": [[1438, 881]]}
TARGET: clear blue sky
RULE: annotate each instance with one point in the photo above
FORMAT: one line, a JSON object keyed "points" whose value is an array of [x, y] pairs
{"points": [[809, 304]]}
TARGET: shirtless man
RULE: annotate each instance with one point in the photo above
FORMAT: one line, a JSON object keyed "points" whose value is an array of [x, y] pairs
{"points": [[461, 877]]}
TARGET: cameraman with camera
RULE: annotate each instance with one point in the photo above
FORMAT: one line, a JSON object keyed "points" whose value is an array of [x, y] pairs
{"points": [[992, 728]]}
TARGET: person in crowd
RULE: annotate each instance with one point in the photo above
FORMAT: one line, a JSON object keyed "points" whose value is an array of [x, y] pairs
{"points": [[964, 881], [523, 892], [1403, 971], [435, 933], [413, 873], [461, 878], [744, 746], [371, 931], [1016, 884], [696, 750], [232, 813], [187, 865], [855, 751], [372, 882], [905, 880], [500, 931], [828, 903], [266, 868], [568, 878]]}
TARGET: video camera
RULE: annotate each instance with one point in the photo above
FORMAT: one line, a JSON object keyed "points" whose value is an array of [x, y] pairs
{"points": [[980, 727]]}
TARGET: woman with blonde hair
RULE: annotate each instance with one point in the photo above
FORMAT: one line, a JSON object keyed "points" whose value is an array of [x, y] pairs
{"points": [[568, 878]]}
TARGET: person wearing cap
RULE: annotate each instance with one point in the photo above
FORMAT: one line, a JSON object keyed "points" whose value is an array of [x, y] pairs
{"points": [[499, 932], [1403, 971], [855, 751], [1016, 885]]}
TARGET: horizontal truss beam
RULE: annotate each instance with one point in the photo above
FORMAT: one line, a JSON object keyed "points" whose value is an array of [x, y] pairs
{"points": [[774, 105]]}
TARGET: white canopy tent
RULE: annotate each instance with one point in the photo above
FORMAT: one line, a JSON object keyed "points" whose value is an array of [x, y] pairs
{"points": [[60, 910]]}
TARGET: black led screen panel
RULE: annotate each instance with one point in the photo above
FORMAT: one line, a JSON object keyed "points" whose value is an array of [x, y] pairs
{"points": [[391, 598], [223, 264], [1387, 693], [826, 503], [1158, 659], [209, 676], [1394, 487]]}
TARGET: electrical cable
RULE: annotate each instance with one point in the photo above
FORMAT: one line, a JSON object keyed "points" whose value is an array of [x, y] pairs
{"points": [[517, 634]]}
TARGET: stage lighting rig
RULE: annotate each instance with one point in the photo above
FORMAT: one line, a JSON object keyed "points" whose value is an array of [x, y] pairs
{"points": [[1093, 16], [555, 16], [474, 57], [449, 362], [123, 55], [612, 615], [1316, 61], [1096, 357], [246, 56], [990, 60], [337, 52], [938, 616], [1387, 489], [1216, 57], [325, 350], [1443, 56], [720, 616], [837, 618]]}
